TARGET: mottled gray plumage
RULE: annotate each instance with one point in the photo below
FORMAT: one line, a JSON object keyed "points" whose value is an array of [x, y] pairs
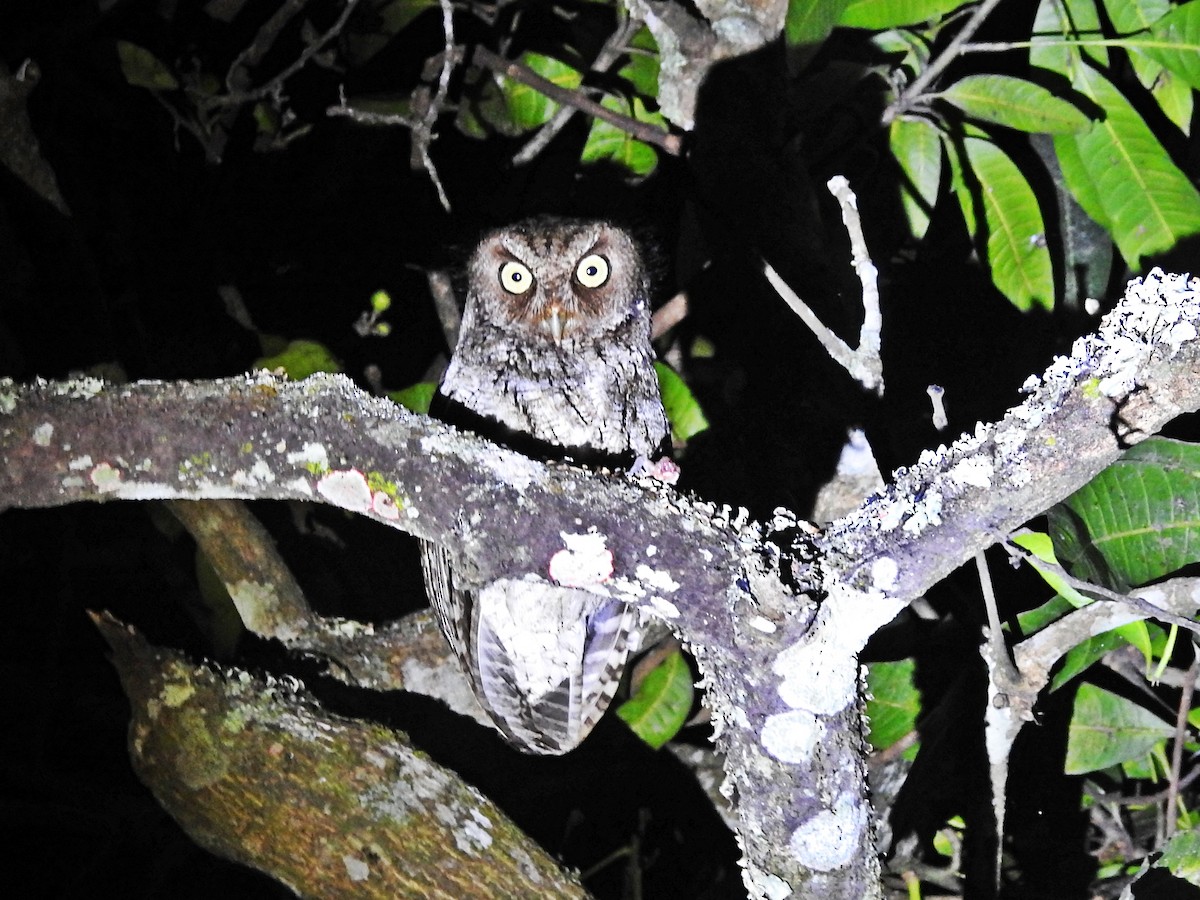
{"points": [[555, 346]]}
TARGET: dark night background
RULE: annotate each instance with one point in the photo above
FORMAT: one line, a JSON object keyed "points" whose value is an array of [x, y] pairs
{"points": [[129, 282]]}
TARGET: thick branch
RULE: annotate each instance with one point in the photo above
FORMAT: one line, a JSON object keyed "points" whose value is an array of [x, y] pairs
{"points": [[781, 670]]}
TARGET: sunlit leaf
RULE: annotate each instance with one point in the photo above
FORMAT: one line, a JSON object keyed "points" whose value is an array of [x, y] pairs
{"points": [[1177, 47], [662, 702], [642, 68], [1107, 729], [810, 21], [1016, 240], [301, 359], [1015, 103], [1056, 22], [416, 397], [879, 14], [527, 107], [1149, 203], [917, 146], [683, 410], [894, 705], [1135, 522], [608, 142]]}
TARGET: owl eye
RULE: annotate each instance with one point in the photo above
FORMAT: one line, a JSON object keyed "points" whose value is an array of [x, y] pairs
{"points": [[515, 278], [592, 271]]}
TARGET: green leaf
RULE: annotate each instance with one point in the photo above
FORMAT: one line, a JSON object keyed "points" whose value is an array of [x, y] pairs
{"points": [[683, 410], [662, 702], [1130, 16], [643, 65], [301, 359], [1106, 730], [1015, 103], [1182, 856], [1080, 183], [1059, 20], [416, 397], [1177, 47], [1041, 546], [880, 14], [1135, 522], [142, 68], [810, 21], [528, 108], [1174, 97], [1082, 655], [1148, 201], [1016, 240], [894, 705], [917, 146], [608, 142]]}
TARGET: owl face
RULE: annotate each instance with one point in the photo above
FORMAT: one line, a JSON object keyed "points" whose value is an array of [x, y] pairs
{"points": [[562, 279]]}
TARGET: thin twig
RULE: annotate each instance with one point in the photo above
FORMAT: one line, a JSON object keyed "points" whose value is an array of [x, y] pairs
{"points": [[1006, 674], [1103, 593], [423, 135], [1181, 731], [612, 50], [947, 56], [642, 131], [864, 363], [669, 315], [237, 98], [238, 76]]}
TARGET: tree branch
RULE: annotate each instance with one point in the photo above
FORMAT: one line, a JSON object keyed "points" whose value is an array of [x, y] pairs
{"points": [[780, 668]]}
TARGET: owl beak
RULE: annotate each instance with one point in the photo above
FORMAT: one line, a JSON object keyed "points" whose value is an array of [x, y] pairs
{"points": [[556, 321]]}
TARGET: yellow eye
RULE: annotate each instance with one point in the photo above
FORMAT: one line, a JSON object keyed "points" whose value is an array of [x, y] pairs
{"points": [[592, 271], [515, 278]]}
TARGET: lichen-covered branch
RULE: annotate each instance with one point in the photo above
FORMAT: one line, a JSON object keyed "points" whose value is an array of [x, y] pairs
{"points": [[256, 771], [780, 668]]}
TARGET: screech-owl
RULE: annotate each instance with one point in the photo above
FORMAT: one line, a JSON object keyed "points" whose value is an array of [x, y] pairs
{"points": [[553, 358]]}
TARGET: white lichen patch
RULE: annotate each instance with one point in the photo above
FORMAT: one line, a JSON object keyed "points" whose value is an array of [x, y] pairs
{"points": [[790, 737], [258, 474], [657, 578], [309, 455], [79, 463], [885, 572], [585, 560], [347, 488], [356, 869], [474, 834], [974, 471], [384, 506], [664, 608], [763, 624], [765, 885], [106, 478], [42, 434], [831, 839]]}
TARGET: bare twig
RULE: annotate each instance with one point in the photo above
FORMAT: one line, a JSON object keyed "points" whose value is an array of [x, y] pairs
{"points": [[947, 56], [643, 131], [612, 50], [1181, 732], [238, 76], [423, 133], [863, 363], [238, 98], [669, 315], [1086, 587]]}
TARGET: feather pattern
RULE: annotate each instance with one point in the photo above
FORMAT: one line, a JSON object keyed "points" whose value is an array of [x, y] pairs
{"points": [[555, 347]]}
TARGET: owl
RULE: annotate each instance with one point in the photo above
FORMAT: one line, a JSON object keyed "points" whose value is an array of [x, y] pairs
{"points": [[553, 359]]}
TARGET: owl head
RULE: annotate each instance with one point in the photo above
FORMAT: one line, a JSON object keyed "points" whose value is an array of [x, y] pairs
{"points": [[564, 280]]}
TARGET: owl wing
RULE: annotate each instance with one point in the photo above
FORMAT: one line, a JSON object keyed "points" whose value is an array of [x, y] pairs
{"points": [[544, 660]]}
